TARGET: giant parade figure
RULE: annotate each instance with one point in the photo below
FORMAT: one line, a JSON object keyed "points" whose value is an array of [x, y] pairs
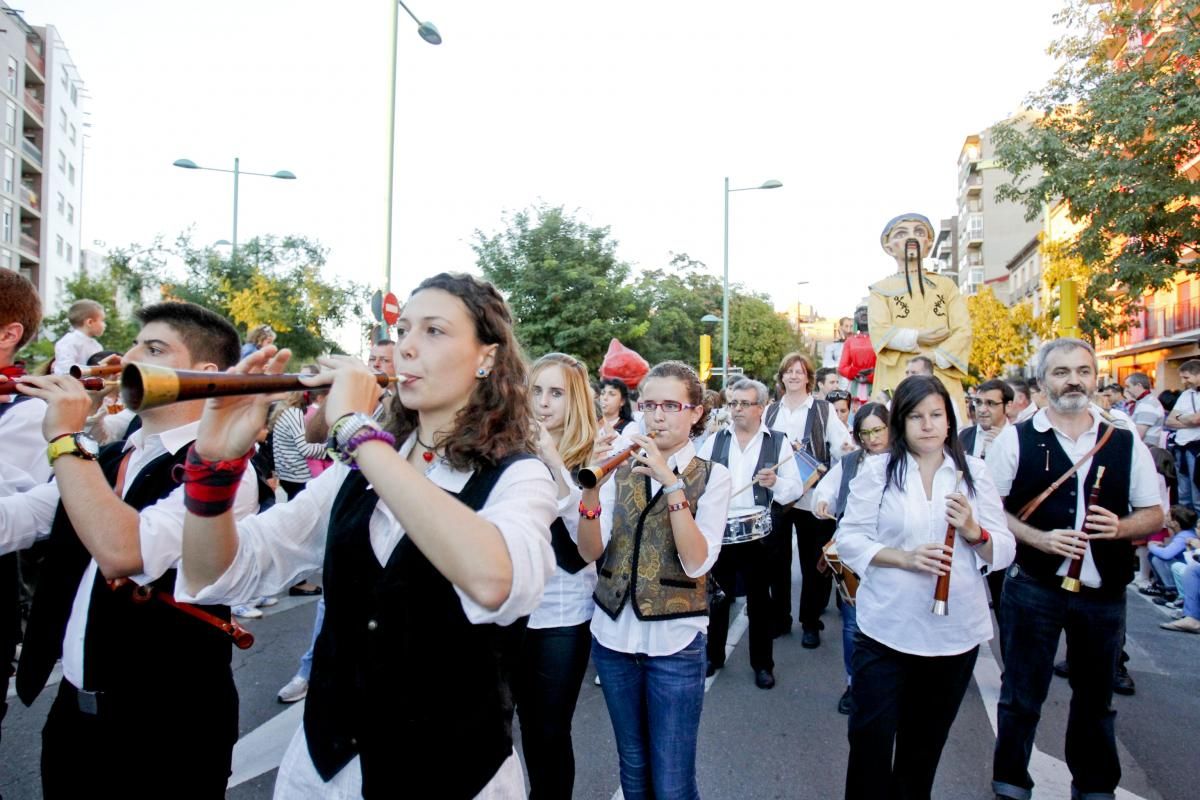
{"points": [[913, 313]]}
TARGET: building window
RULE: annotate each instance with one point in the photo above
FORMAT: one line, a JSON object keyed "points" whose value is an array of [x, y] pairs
{"points": [[12, 76], [74, 95], [62, 119], [58, 245], [6, 222], [6, 259], [73, 133], [9, 170], [71, 174], [62, 203], [70, 214], [70, 254], [977, 276], [10, 122], [65, 78], [62, 161]]}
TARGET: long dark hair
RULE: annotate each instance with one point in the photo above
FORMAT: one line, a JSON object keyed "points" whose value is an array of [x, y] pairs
{"points": [[496, 421], [625, 415], [909, 394]]}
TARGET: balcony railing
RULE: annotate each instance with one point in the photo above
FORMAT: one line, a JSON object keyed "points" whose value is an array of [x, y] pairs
{"points": [[35, 105], [1156, 322], [30, 245], [29, 197], [32, 150], [34, 58]]}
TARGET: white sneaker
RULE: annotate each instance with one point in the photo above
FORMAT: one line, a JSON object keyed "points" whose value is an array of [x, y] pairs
{"points": [[266, 602], [246, 612], [295, 690]]}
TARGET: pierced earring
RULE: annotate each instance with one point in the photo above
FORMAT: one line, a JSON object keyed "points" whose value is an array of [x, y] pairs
{"points": [[481, 373]]}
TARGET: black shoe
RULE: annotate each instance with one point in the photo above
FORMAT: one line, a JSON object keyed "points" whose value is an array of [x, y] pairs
{"points": [[711, 669], [811, 639], [844, 702], [763, 679], [1123, 682], [1061, 670], [1152, 590], [304, 589]]}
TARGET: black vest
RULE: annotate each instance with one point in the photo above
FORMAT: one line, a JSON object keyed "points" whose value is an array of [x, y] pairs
{"points": [[850, 465], [1114, 557], [815, 423], [768, 456], [141, 654], [400, 676], [967, 438]]}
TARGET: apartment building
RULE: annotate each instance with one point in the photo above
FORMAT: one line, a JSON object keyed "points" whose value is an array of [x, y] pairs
{"points": [[41, 156], [944, 254], [990, 232]]}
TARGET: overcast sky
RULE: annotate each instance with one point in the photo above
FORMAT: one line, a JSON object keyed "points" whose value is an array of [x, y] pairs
{"points": [[630, 112]]}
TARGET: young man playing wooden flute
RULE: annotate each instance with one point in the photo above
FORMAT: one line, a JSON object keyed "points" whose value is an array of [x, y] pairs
{"points": [[116, 515]]}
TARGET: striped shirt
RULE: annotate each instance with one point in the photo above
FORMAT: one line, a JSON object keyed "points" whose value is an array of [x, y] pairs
{"points": [[291, 448]]}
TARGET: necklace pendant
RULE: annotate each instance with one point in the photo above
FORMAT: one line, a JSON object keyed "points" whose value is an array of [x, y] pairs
{"points": [[428, 456]]}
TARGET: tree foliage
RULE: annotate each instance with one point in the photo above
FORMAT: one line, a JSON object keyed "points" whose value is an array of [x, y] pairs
{"points": [[564, 283], [1116, 123], [674, 300], [1009, 334]]}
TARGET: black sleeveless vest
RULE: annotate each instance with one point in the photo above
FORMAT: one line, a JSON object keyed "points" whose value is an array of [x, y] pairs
{"points": [[967, 438], [768, 456], [1035, 471], [141, 654], [400, 676], [850, 465]]}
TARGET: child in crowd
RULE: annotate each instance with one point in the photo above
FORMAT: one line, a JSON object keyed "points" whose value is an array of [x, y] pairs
{"points": [[1182, 525], [87, 322]]}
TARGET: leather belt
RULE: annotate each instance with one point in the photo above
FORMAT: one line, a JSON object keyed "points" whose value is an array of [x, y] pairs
{"points": [[89, 703]]}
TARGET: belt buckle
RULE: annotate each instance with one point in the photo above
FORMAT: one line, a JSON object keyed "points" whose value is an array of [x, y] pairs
{"points": [[89, 702]]}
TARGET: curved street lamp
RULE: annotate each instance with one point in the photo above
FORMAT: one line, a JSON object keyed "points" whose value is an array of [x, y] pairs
{"points": [[283, 175], [771, 184]]}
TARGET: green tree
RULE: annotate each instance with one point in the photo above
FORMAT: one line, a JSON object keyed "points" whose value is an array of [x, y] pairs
{"points": [[758, 337], [564, 283], [674, 300], [1116, 123], [1004, 336]]}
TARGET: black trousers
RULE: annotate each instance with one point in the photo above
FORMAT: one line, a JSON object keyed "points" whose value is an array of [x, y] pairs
{"points": [[185, 750], [748, 559], [903, 704], [815, 587], [546, 686]]}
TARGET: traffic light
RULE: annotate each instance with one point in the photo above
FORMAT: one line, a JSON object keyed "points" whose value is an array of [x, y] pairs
{"points": [[705, 356]]}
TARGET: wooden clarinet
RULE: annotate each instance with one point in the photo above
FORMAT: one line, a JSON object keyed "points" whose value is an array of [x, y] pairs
{"points": [[941, 590], [1070, 581]]}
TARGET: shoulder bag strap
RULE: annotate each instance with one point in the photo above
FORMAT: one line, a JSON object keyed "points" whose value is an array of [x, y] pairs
{"points": [[1032, 505]]}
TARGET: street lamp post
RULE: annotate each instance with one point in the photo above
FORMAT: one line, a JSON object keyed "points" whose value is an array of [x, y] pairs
{"points": [[283, 174], [772, 184], [429, 32]]}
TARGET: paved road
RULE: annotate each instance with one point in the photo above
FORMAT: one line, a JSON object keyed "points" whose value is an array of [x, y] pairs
{"points": [[789, 742]]}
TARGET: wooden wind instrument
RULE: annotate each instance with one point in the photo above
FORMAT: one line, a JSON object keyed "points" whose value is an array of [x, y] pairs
{"points": [[100, 370], [1071, 581], [589, 477], [149, 386], [92, 384], [941, 590]]}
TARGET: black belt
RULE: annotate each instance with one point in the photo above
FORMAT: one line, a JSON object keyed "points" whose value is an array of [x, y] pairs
{"points": [[90, 703], [1055, 582]]}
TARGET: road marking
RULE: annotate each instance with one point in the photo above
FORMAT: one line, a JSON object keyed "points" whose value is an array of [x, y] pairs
{"points": [[261, 750], [1051, 777]]}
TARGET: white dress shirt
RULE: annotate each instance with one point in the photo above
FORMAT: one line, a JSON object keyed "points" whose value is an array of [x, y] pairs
{"points": [[73, 349], [893, 603], [27, 517], [792, 421], [567, 600], [1188, 403], [1143, 486], [663, 637], [21, 432], [278, 546], [743, 464], [1026, 412]]}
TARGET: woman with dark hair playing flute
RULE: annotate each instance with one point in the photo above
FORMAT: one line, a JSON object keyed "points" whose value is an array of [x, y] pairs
{"points": [[911, 667]]}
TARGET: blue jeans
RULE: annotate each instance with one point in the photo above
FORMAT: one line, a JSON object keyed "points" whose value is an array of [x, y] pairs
{"points": [[654, 703], [849, 628], [1189, 495], [1187, 581], [1033, 615], [305, 670]]}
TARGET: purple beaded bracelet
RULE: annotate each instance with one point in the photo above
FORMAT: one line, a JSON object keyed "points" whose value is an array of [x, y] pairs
{"points": [[359, 439]]}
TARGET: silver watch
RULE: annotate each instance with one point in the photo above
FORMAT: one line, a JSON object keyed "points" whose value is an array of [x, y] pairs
{"points": [[676, 486]]}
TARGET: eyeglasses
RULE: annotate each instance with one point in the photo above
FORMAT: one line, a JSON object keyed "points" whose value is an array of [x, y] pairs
{"points": [[980, 402], [743, 403], [670, 406], [836, 395], [871, 433]]}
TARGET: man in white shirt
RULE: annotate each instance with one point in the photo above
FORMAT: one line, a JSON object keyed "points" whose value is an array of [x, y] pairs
{"points": [[1022, 406], [1036, 606], [812, 427], [991, 415], [832, 355], [751, 451], [115, 520], [1148, 414], [1184, 419]]}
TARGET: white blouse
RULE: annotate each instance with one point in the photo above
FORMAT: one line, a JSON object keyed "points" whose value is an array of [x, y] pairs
{"points": [[894, 604], [627, 633], [567, 600]]}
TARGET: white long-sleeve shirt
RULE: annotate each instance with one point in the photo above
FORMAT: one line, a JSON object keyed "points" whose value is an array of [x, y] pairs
{"points": [[73, 349], [27, 517], [567, 600], [663, 637], [893, 604], [792, 422], [743, 465]]}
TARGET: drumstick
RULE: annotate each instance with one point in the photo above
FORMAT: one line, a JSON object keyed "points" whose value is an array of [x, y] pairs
{"points": [[752, 483]]}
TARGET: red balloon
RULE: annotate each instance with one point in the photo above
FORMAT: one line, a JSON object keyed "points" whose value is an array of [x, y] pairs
{"points": [[625, 364]]}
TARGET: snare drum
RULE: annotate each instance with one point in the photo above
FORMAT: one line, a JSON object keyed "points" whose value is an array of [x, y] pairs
{"points": [[845, 578], [746, 524]]}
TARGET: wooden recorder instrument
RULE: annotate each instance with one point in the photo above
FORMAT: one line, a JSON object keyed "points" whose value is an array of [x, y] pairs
{"points": [[941, 590], [589, 477], [92, 384], [98, 371], [1071, 581], [148, 386]]}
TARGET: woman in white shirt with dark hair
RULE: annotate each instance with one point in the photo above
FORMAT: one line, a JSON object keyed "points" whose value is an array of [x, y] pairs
{"points": [[911, 666]]}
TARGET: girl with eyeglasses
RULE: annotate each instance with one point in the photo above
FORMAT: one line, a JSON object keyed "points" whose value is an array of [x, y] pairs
{"points": [[658, 522], [554, 651], [829, 502]]}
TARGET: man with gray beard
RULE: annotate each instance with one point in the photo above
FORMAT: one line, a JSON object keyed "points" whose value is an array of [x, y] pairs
{"points": [[1053, 527]]}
